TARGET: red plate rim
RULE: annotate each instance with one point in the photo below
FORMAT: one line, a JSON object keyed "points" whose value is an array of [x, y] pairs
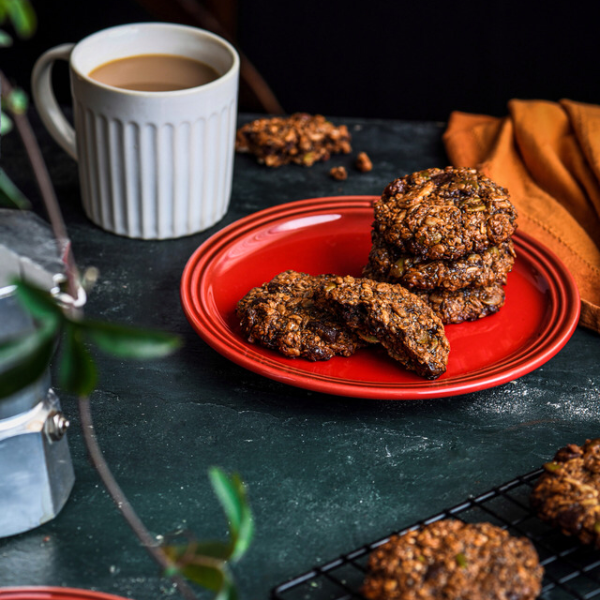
{"points": [[559, 326], [53, 593]]}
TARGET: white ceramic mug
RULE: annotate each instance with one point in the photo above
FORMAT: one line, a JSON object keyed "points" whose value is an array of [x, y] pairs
{"points": [[152, 165]]}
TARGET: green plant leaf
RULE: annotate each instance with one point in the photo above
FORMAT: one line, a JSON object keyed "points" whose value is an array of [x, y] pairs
{"points": [[246, 527], [6, 123], [228, 590], [231, 493], [227, 494], [10, 195], [38, 302], [28, 357], [130, 342], [77, 371], [22, 17], [216, 549], [5, 39], [17, 101], [213, 578], [208, 577]]}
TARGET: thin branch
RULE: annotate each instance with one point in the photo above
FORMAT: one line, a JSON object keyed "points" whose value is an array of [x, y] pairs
{"points": [[46, 188], [119, 498], [60, 232]]}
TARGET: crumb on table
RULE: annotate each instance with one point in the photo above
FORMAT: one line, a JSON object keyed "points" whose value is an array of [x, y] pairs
{"points": [[339, 173], [363, 162]]}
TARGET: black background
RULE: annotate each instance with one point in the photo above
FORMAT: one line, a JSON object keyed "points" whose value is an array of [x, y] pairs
{"points": [[376, 58]]}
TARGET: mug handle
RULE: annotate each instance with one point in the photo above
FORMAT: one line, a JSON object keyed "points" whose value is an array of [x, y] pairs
{"points": [[45, 100]]}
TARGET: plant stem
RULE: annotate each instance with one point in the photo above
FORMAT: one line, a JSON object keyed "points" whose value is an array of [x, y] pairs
{"points": [[44, 182], [121, 500]]}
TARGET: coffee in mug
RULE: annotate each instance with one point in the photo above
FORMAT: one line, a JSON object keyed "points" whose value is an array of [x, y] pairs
{"points": [[152, 164], [154, 73]]}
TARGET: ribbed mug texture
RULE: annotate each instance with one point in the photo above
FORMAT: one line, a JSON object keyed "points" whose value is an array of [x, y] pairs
{"points": [[155, 181]]}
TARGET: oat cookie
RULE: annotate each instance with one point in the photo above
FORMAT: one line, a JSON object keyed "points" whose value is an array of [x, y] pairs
{"points": [[444, 213], [301, 138], [453, 560], [477, 269], [404, 325], [468, 304], [567, 494], [281, 315]]}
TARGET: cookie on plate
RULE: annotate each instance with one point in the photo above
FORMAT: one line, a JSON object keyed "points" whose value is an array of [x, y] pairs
{"points": [[567, 494], [452, 560], [467, 304], [281, 315], [389, 314], [476, 269], [444, 213]]}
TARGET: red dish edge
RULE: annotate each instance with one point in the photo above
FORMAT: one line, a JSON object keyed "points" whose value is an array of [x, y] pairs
{"points": [[53, 593]]}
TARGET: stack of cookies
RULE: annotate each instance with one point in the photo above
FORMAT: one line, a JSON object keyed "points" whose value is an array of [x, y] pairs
{"points": [[445, 235]]}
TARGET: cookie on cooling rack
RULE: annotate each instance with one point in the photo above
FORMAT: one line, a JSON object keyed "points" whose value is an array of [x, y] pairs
{"points": [[453, 560], [567, 494]]}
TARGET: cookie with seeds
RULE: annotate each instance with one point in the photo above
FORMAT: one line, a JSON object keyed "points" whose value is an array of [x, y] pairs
{"points": [[389, 314], [300, 138], [477, 269], [453, 560], [444, 213], [281, 315], [567, 494], [467, 304]]}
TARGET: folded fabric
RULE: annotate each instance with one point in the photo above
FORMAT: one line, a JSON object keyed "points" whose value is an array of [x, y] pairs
{"points": [[547, 154]]}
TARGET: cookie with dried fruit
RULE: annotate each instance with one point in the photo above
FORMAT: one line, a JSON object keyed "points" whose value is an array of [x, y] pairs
{"points": [[567, 494], [281, 315], [444, 213], [404, 325], [454, 560]]}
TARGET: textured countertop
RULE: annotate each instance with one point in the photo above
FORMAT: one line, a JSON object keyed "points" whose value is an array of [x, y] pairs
{"points": [[325, 473]]}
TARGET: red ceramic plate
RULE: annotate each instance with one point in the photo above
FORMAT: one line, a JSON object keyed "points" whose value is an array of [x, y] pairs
{"points": [[332, 235], [53, 593]]}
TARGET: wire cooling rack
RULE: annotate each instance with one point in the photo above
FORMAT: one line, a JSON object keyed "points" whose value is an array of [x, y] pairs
{"points": [[572, 570]]}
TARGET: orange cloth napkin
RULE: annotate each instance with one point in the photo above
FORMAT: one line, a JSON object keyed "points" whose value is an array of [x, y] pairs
{"points": [[547, 155]]}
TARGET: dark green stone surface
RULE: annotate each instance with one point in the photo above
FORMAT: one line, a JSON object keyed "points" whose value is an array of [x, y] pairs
{"points": [[325, 473]]}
